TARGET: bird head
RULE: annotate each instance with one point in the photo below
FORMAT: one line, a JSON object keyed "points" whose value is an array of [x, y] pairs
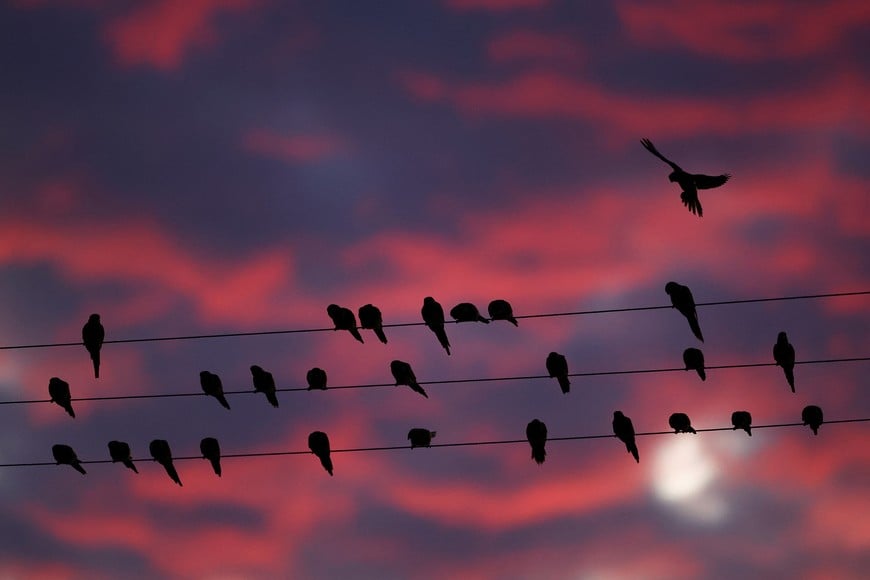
{"points": [[332, 309], [782, 337], [671, 287], [94, 318], [674, 176], [255, 369]]}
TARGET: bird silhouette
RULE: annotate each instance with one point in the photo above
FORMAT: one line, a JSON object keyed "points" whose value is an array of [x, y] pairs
{"points": [[370, 317], [64, 455], [694, 359], [680, 423], [318, 442], [58, 390], [343, 319], [502, 310], [783, 354], [211, 450], [813, 416], [433, 316], [467, 312], [682, 300], [536, 433], [264, 383], [557, 366], [742, 420], [624, 430], [212, 386], [404, 375], [690, 182], [93, 335], [161, 453], [420, 437], [316, 378], [120, 451]]}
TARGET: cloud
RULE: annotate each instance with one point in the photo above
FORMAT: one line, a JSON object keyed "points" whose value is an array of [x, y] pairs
{"points": [[495, 5], [293, 148], [527, 45]]}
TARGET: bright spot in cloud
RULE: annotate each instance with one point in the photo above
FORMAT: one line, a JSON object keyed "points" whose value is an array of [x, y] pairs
{"points": [[683, 471]]}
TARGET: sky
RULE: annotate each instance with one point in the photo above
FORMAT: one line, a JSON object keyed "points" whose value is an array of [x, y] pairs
{"points": [[234, 166]]}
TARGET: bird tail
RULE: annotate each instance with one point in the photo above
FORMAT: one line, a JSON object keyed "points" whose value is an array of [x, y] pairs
{"points": [[564, 383], [815, 429], [442, 338], [632, 448], [69, 410], [380, 334], [415, 386], [703, 374], [748, 431], [539, 454], [129, 464], [326, 462], [95, 357], [356, 334], [789, 376], [696, 328], [216, 465], [173, 474], [78, 467], [222, 400], [513, 321], [272, 398]]}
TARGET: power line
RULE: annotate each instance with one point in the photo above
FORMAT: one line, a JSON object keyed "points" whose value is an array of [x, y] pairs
{"points": [[401, 324]]}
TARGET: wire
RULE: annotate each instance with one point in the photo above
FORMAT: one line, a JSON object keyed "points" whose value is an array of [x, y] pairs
{"points": [[400, 324], [455, 444]]}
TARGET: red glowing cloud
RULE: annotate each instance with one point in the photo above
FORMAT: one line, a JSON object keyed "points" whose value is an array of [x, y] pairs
{"points": [[301, 148]]}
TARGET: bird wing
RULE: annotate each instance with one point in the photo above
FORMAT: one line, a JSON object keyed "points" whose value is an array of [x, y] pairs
{"points": [[710, 181], [652, 149]]}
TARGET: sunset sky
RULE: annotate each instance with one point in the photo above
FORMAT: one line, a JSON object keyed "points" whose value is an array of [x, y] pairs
{"points": [[232, 166]]}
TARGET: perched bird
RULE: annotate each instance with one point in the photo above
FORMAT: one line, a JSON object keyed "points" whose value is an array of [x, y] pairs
{"points": [[690, 182], [64, 455], [264, 383], [694, 359], [93, 335], [433, 316], [120, 451], [502, 310], [318, 442], [316, 378], [343, 319], [211, 450], [783, 354], [420, 437], [681, 299], [58, 390], [212, 386], [161, 453], [557, 366], [370, 317], [467, 312], [404, 375], [680, 423], [623, 429], [536, 433], [742, 420], [813, 416]]}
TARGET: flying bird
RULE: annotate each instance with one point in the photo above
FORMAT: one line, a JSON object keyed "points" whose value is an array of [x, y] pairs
{"points": [[690, 182], [624, 430], [694, 359], [557, 366], [64, 455], [93, 335], [783, 354], [316, 378], [211, 450], [318, 442], [420, 437], [682, 300], [502, 310], [212, 386], [161, 453], [536, 433], [58, 390], [264, 382], [813, 416], [467, 312], [370, 317], [433, 316], [343, 319], [742, 420], [404, 375], [680, 423], [120, 451]]}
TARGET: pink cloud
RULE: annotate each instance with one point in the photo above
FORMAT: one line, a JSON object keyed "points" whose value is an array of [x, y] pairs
{"points": [[533, 45], [495, 5], [299, 148]]}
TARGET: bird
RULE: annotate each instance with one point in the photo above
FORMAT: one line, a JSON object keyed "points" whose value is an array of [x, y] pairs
{"points": [[682, 300], [690, 182], [370, 317], [404, 375], [58, 390], [783, 354], [557, 366], [120, 451], [211, 450], [467, 312], [501, 310], [694, 359], [813, 416], [536, 433], [742, 420], [624, 430], [420, 437], [318, 442], [316, 378], [93, 335], [64, 455], [681, 423], [343, 319], [433, 316], [264, 383], [212, 386], [161, 453]]}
